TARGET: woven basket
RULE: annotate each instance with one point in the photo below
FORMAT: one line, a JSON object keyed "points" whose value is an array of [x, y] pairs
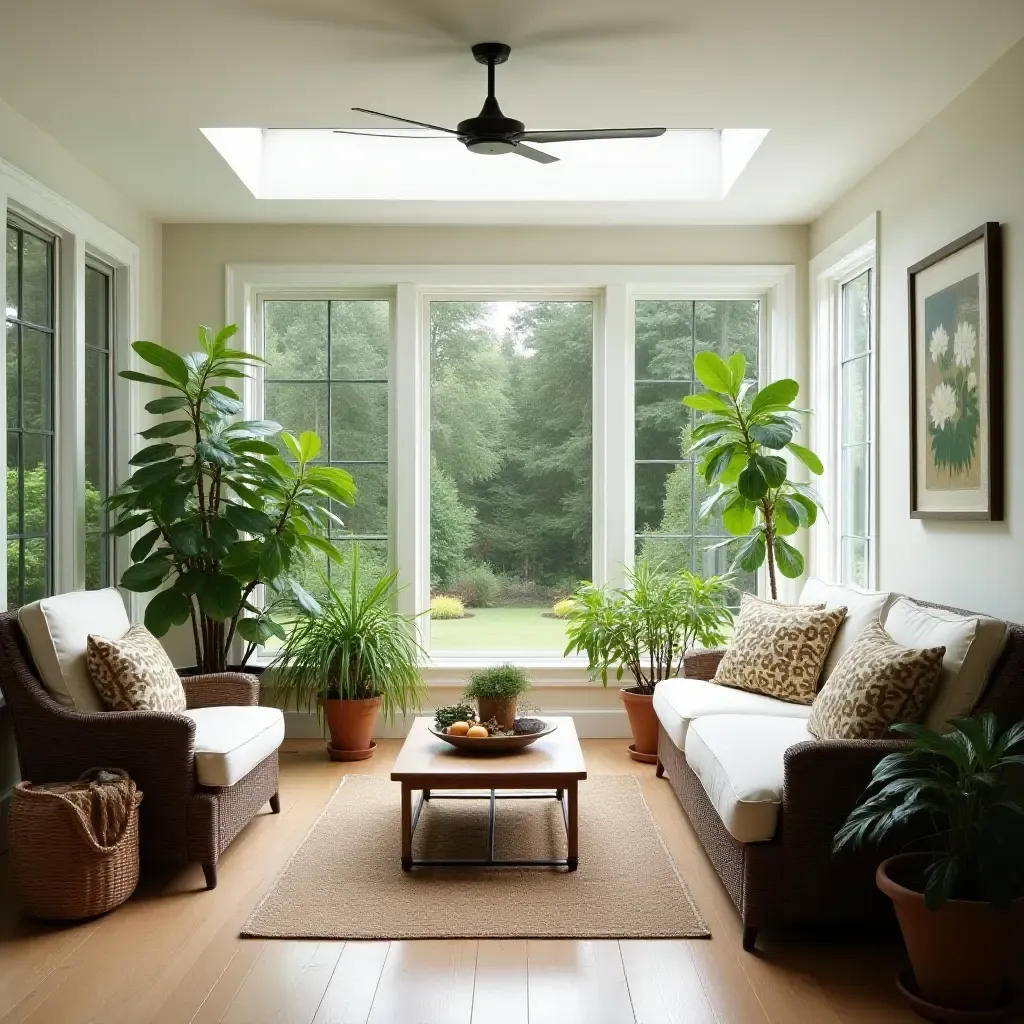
{"points": [[60, 871]]}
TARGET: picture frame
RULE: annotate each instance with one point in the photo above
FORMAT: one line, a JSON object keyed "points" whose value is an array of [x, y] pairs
{"points": [[955, 300]]}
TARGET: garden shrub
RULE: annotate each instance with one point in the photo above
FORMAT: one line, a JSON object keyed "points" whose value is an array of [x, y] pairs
{"points": [[476, 587], [445, 607], [561, 609]]}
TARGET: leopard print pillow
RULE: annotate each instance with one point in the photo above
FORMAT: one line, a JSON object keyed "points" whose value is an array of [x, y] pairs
{"points": [[779, 649], [875, 684], [134, 673]]}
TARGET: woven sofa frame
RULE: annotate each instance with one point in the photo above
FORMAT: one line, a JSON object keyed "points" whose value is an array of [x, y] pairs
{"points": [[794, 879], [180, 821]]}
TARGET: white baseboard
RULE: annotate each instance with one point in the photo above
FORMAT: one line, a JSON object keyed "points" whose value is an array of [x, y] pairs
{"points": [[590, 724]]}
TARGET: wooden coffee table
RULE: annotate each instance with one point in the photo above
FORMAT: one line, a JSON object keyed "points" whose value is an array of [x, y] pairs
{"points": [[553, 765]]}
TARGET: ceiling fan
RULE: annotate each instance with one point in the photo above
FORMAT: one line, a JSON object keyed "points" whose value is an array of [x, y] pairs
{"points": [[492, 133]]}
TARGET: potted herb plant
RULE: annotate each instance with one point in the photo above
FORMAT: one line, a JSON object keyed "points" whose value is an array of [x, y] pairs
{"points": [[645, 629], [218, 511], [739, 443], [960, 901], [496, 691], [353, 658]]}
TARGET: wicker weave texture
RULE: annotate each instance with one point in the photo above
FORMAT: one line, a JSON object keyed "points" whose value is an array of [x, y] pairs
{"points": [[60, 872]]}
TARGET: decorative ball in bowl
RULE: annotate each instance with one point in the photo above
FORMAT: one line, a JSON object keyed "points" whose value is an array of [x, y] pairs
{"points": [[468, 735]]}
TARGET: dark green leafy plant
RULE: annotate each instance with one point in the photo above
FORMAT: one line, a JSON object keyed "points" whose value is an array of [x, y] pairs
{"points": [[356, 646], [738, 442], [647, 627], [500, 682], [219, 510], [958, 786], [443, 717]]}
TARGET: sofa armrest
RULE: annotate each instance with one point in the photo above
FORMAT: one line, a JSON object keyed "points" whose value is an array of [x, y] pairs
{"points": [[702, 664], [221, 689]]}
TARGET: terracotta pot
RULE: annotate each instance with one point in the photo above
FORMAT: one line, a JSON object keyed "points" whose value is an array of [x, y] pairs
{"points": [[504, 710], [351, 722], [643, 722], [960, 954]]}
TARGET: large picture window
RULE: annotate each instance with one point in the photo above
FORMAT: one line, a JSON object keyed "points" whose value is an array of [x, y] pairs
{"points": [[99, 338], [511, 474], [31, 332], [669, 489], [327, 371]]}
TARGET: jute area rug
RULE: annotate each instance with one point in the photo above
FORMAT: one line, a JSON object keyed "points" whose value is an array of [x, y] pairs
{"points": [[345, 881]]}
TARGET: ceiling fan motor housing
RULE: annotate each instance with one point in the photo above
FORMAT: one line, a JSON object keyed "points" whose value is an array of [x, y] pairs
{"points": [[490, 132]]}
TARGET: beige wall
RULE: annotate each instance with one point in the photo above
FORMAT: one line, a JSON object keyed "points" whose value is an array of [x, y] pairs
{"points": [[963, 168], [35, 153]]}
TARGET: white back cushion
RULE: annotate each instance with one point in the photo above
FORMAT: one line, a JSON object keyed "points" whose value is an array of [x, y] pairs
{"points": [[57, 632], [862, 608], [972, 642]]}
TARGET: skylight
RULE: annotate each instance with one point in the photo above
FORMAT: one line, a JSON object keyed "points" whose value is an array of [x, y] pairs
{"points": [[395, 164]]}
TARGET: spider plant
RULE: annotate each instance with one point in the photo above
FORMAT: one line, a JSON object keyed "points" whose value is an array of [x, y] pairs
{"points": [[356, 648], [957, 785]]}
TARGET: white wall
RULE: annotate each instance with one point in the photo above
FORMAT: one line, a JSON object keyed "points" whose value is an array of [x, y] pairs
{"points": [[40, 156], [966, 166]]}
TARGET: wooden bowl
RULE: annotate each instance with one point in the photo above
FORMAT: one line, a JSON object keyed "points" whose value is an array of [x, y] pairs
{"points": [[493, 744]]}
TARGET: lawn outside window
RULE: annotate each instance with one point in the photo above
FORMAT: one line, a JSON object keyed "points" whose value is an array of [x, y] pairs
{"points": [[509, 454]]}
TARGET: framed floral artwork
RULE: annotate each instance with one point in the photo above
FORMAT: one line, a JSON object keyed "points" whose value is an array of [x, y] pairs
{"points": [[956, 380]]}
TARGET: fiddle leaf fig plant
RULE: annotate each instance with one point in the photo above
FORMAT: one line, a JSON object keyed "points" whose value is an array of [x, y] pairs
{"points": [[217, 509], [739, 443]]}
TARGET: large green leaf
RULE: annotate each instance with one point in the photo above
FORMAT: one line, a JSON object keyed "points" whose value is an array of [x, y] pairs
{"points": [[751, 555], [158, 355], [165, 609], [309, 445], [219, 595], [738, 516], [126, 524], [716, 462], [777, 395], [706, 401], [334, 482], [186, 537], [148, 378], [145, 576], [152, 453], [170, 403], [713, 373], [144, 545], [156, 472], [252, 446], [807, 457], [273, 558], [751, 482], [774, 434], [291, 442], [248, 520], [737, 364], [167, 428], [788, 558], [215, 452], [323, 546], [773, 468]]}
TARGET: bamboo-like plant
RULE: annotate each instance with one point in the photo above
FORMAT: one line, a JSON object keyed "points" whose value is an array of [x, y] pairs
{"points": [[738, 444], [646, 627], [222, 512], [356, 647]]}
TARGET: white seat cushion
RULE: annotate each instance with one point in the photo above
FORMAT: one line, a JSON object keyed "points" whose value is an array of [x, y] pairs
{"points": [[231, 741], [863, 607], [739, 761], [57, 632], [972, 642], [678, 701]]}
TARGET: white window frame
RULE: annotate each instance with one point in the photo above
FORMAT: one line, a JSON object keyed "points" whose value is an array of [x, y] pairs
{"points": [[78, 235], [614, 289], [830, 270]]}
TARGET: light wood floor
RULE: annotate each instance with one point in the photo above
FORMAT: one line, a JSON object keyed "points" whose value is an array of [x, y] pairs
{"points": [[172, 954]]}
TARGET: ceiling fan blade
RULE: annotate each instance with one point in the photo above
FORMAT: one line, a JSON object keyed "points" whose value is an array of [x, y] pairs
{"points": [[405, 120], [535, 154], [596, 133]]}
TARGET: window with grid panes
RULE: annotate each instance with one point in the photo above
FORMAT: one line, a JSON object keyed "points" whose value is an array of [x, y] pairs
{"points": [[99, 330], [327, 371], [855, 389], [669, 489], [31, 332]]}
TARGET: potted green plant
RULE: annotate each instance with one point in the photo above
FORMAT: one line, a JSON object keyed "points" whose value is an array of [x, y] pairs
{"points": [[355, 657], [739, 443], [496, 691], [645, 629], [218, 511], [960, 900]]}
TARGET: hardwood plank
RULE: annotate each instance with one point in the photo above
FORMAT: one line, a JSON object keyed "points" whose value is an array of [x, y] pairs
{"points": [[429, 981], [501, 992], [353, 985], [577, 982], [213, 1001], [664, 985], [286, 984]]}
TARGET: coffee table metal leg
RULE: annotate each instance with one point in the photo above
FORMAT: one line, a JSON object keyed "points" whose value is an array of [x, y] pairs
{"points": [[572, 826], [406, 827]]}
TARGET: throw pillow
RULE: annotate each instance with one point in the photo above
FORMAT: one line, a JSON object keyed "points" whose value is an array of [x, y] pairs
{"points": [[134, 673], [779, 649], [877, 683]]}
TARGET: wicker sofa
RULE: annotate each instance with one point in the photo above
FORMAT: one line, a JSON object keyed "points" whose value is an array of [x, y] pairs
{"points": [[193, 804], [776, 861]]}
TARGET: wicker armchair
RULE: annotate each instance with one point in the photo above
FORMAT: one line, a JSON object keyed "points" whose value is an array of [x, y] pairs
{"points": [[180, 820], [794, 878]]}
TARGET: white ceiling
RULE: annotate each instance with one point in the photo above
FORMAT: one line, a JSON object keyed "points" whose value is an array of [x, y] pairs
{"points": [[127, 85]]}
